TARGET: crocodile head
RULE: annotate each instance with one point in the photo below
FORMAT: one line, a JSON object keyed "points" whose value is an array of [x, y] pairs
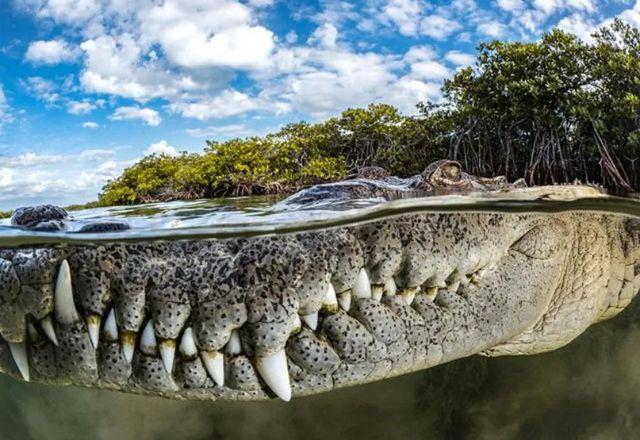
{"points": [[311, 311]]}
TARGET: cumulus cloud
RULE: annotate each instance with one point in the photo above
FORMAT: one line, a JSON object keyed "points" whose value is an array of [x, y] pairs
{"points": [[148, 115], [438, 26], [161, 147], [405, 14], [5, 115], [80, 107], [325, 35], [228, 103], [96, 154], [51, 52], [90, 124], [31, 159], [460, 58]]}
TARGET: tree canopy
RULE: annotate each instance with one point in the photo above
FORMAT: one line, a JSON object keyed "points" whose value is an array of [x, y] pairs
{"points": [[553, 110]]}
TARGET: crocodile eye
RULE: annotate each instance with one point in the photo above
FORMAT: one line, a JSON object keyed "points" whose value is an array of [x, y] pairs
{"points": [[541, 242]]}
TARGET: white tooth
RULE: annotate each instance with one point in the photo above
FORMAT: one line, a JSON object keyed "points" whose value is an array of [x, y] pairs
{"points": [[93, 324], [214, 364], [47, 328], [110, 327], [454, 286], [330, 300], [167, 353], [19, 353], [128, 342], [188, 344], [297, 324], [274, 371], [148, 343], [345, 300], [390, 287], [65, 308], [362, 288], [234, 346], [311, 320], [376, 292], [409, 294]]}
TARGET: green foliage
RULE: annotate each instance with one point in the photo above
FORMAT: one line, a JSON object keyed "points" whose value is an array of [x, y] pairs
{"points": [[551, 111], [6, 214]]}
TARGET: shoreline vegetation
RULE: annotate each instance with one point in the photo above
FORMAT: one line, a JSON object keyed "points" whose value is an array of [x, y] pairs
{"points": [[551, 111]]}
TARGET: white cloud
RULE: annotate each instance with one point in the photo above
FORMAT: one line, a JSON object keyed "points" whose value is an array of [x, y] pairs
{"points": [[80, 107], [5, 115], [161, 147], [405, 14], [430, 70], [70, 12], [51, 52], [325, 35], [492, 28], [202, 33], [90, 124], [460, 58], [31, 159], [511, 5], [438, 27], [227, 103], [228, 131], [6, 177], [148, 115], [42, 89], [96, 154]]}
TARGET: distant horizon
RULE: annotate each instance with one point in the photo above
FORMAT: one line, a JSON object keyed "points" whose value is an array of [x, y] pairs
{"points": [[87, 90]]}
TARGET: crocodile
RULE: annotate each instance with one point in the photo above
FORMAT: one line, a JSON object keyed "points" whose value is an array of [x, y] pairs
{"points": [[280, 315]]}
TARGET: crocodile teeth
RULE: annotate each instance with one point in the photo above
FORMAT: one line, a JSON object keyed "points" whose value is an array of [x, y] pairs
{"points": [[148, 344], [274, 371], [234, 347], [330, 300], [297, 324], [408, 295], [65, 308], [47, 328], [93, 324], [376, 292], [390, 287], [19, 353], [128, 342], [188, 344], [345, 300], [214, 364], [167, 353], [110, 327], [362, 288], [311, 320], [453, 287]]}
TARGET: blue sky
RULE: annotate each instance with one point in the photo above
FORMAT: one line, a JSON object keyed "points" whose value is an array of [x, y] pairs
{"points": [[87, 87]]}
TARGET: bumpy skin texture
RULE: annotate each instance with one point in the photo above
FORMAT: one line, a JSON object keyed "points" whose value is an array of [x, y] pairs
{"points": [[483, 283]]}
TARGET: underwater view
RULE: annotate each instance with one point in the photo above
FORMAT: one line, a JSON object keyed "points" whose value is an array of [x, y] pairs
{"points": [[588, 388]]}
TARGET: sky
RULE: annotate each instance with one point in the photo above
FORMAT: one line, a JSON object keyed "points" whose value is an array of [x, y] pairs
{"points": [[88, 87]]}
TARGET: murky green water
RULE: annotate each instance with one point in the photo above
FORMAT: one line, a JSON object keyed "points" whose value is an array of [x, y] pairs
{"points": [[589, 389]]}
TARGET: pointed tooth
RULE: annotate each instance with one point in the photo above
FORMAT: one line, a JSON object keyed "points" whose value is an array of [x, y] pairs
{"points": [[93, 324], [390, 287], [234, 346], [362, 288], [454, 286], [330, 300], [345, 300], [273, 370], [188, 347], [128, 342], [65, 308], [409, 294], [297, 324], [148, 343], [311, 320], [110, 327], [432, 292], [19, 353], [214, 364], [34, 335], [47, 328], [376, 292], [167, 353]]}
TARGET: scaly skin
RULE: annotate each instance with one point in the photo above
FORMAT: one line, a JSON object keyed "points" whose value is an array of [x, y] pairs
{"points": [[424, 289]]}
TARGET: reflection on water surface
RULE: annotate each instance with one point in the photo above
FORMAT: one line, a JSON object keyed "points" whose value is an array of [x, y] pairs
{"points": [[589, 389]]}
